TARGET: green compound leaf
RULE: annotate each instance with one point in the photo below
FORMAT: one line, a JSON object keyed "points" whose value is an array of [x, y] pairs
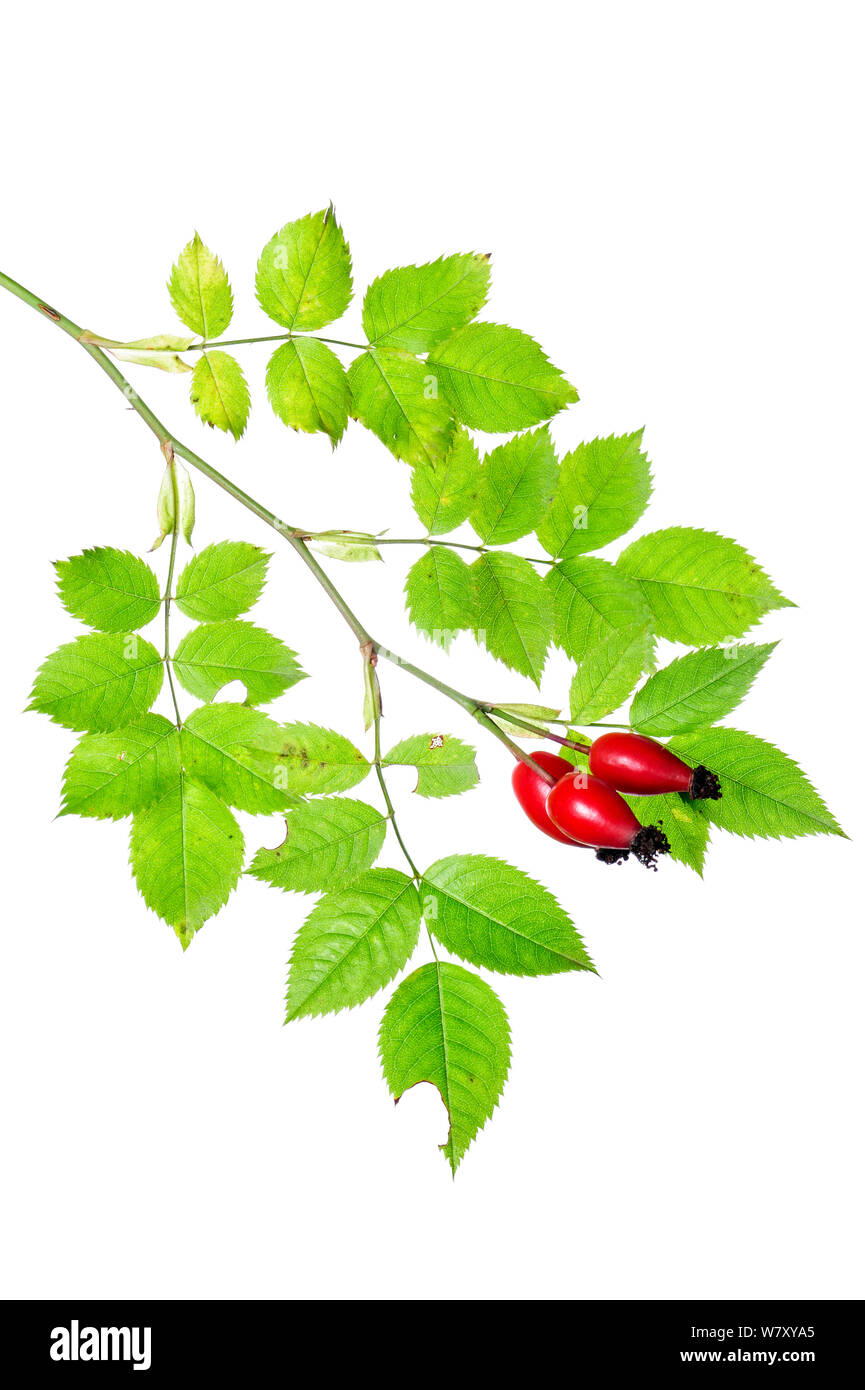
{"points": [[686, 828], [98, 682], [237, 752], [514, 612], [441, 596], [186, 853], [697, 689], [303, 280], [445, 765], [515, 488], [446, 1026], [591, 600], [701, 587], [212, 655], [443, 493], [764, 793], [352, 944], [308, 388], [609, 673], [489, 913], [219, 392], [111, 775], [222, 581], [317, 761], [111, 590], [327, 844], [498, 379], [604, 487], [416, 306], [397, 397], [199, 290]]}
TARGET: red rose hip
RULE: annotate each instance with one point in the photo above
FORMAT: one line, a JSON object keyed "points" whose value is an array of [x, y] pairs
{"points": [[639, 766], [532, 791], [585, 808]]}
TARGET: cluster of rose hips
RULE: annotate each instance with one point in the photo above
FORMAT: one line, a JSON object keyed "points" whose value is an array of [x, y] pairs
{"points": [[586, 808]]}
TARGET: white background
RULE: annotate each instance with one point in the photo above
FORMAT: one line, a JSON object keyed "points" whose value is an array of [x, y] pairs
{"points": [[671, 196]]}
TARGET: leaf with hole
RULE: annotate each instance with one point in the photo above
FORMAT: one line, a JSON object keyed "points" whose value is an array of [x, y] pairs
{"points": [[327, 844], [446, 1026], [214, 654], [445, 765]]}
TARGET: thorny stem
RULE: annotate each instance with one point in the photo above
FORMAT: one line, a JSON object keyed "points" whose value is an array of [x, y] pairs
{"points": [[291, 534]]}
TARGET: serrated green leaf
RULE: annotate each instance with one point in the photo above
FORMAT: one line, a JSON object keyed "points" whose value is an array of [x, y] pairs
{"points": [[604, 487], [237, 752], [98, 682], [186, 852], [222, 581], [352, 944], [199, 290], [686, 828], [609, 673], [219, 392], [416, 306], [327, 844], [446, 1026], [515, 488], [701, 587], [533, 714], [318, 761], [592, 599], [697, 689], [443, 492], [111, 775], [441, 596], [308, 389], [489, 913], [111, 590], [213, 654], [514, 612], [498, 379], [397, 397], [303, 280], [445, 765], [764, 793]]}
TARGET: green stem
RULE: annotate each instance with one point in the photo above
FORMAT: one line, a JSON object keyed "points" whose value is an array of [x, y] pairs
{"points": [[169, 584], [379, 772], [455, 545], [205, 346], [291, 534], [540, 732]]}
